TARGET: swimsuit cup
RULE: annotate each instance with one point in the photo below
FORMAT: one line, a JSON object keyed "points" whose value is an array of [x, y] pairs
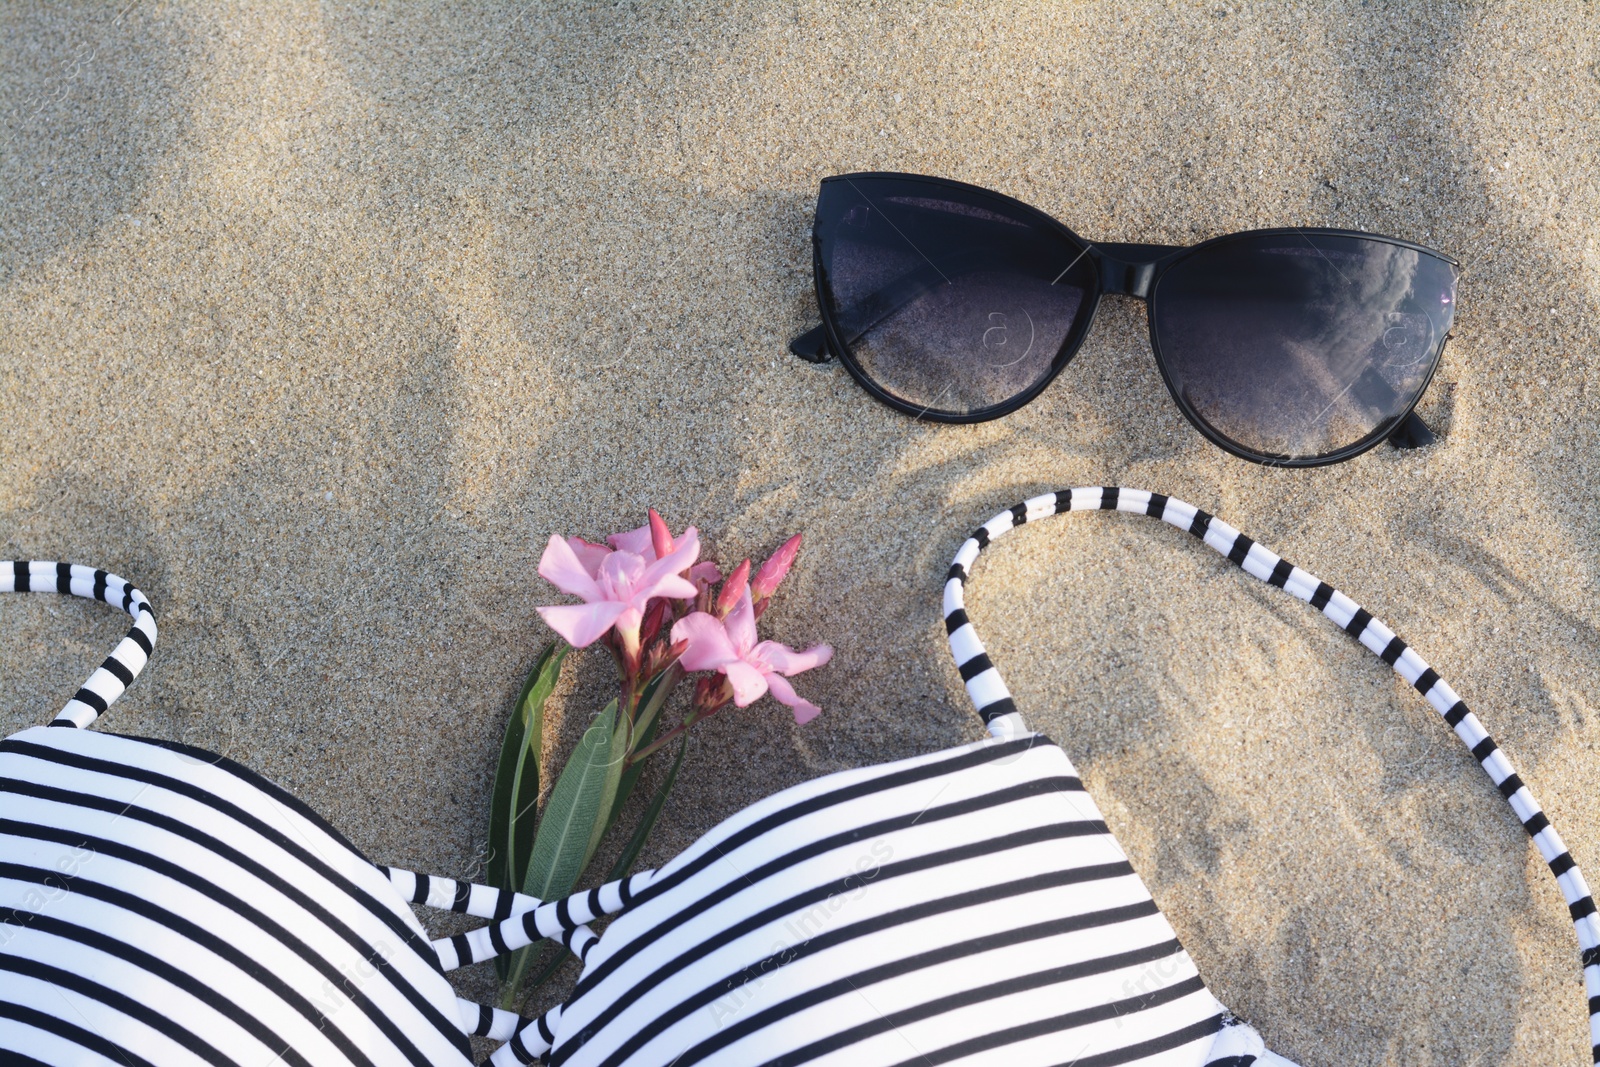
{"points": [[161, 906]]}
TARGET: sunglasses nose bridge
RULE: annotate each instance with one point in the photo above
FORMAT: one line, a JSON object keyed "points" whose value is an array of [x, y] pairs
{"points": [[1128, 269]]}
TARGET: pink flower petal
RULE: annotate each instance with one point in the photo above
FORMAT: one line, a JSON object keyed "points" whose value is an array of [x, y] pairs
{"points": [[582, 624], [787, 661], [621, 573], [561, 567], [676, 562], [749, 684], [674, 586], [783, 692], [709, 648], [636, 541], [588, 553], [741, 624], [703, 576]]}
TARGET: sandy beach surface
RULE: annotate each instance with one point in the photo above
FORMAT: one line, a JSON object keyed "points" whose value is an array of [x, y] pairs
{"points": [[317, 321]]}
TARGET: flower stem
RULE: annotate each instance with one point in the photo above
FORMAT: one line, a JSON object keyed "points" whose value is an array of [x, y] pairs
{"points": [[644, 753]]}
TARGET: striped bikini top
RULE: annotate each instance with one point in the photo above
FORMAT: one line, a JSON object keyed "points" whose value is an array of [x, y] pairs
{"points": [[161, 906]]}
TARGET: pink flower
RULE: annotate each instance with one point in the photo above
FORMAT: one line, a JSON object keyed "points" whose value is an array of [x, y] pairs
{"points": [[729, 647], [616, 586], [644, 540]]}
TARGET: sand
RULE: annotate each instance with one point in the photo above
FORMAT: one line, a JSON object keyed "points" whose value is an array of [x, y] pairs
{"points": [[317, 322]]}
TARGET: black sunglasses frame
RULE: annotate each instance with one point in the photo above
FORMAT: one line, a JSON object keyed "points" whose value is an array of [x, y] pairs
{"points": [[1122, 269]]}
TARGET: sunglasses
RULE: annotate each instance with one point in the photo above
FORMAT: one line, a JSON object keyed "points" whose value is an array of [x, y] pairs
{"points": [[1291, 347]]}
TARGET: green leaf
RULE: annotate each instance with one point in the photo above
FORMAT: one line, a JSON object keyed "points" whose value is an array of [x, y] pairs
{"points": [[647, 822], [515, 799], [631, 772], [571, 812], [514, 802], [576, 805], [616, 763]]}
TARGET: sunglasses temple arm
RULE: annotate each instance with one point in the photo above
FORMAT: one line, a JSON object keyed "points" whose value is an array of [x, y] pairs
{"points": [[868, 312], [812, 346], [1412, 433]]}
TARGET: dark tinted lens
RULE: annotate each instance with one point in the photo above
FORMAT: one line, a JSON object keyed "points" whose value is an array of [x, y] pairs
{"points": [[950, 301], [1301, 345]]}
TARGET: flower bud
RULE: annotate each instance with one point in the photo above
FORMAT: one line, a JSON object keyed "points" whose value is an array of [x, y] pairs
{"points": [[733, 589], [654, 616], [765, 583], [711, 694], [660, 536]]}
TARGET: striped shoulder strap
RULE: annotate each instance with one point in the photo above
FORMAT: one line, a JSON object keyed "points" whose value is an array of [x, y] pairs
{"points": [[518, 920], [119, 670], [993, 701]]}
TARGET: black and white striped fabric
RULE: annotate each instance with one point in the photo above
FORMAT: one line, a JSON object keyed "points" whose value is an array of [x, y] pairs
{"points": [[994, 703], [160, 905], [119, 670]]}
